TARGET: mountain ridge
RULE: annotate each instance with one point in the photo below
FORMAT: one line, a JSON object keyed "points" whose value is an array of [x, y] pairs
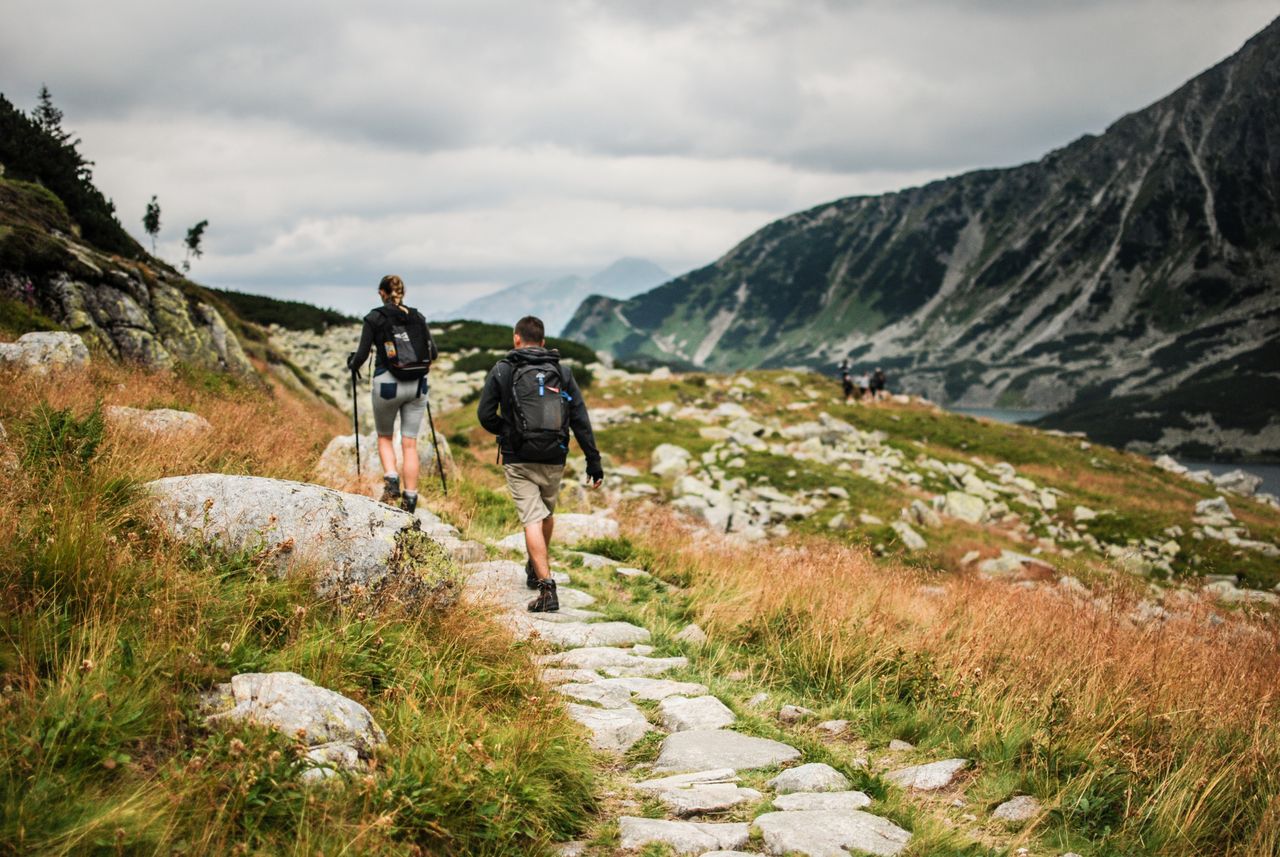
{"points": [[1128, 266]]}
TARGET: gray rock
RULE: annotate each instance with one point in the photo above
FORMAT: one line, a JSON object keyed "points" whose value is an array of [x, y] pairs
{"points": [[758, 700], [700, 750], [683, 837], [571, 529], [668, 459], [614, 661], [830, 833], [846, 801], [934, 775], [834, 727], [601, 694], [1017, 809], [897, 745], [911, 540], [682, 781], [338, 731], [337, 463], [922, 514], [1216, 506], [692, 634], [706, 798], [813, 777], [45, 351], [624, 571], [612, 729], [577, 848], [1238, 482], [350, 540], [655, 688], [159, 421], [794, 713], [964, 507], [573, 634], [682, 713], [1167, 463]]}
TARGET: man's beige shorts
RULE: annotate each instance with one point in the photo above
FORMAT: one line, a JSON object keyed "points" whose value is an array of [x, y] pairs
{"points": [[535, 488]]}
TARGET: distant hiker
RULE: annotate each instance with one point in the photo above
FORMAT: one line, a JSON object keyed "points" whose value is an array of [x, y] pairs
{"points": [[404, 352], [863, 382], [878, 384], [846, 383], [531, 402]]}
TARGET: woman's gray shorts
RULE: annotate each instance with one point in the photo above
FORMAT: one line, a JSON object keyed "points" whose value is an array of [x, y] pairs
{"points": [[392, 396]]}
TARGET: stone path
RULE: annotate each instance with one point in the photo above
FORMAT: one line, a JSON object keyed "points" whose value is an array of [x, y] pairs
{"points": [[604, 668]]}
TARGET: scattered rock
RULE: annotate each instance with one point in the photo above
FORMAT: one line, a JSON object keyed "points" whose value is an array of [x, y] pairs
{"points": [[337, 731], [655, 688], [613, 661], [794, 713], [159, 421], [680, 781], [691, 634], [1083, 513], [834, 727], [1215, 507], [1017, 809], [813, 777], [1238, 482], [683, 837], [922, 514], [612, 729], [669, 460], [821, 801], [964, 507], [825, 833], [604, 695], [708, 798], [1167, 463], [623, 571], [935, 775], [911, 540], [45, 351], [758, 700], [682, 713], [699, 750], [897, 746], [337, 463]]}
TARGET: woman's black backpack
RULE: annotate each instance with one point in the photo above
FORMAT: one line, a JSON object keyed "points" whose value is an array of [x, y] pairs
{"points": [[407, 342]]}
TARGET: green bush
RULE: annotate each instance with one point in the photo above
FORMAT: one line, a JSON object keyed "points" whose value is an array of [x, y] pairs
{"points": [[291, 315], [466, 335], [481, 361], [18, 318]]}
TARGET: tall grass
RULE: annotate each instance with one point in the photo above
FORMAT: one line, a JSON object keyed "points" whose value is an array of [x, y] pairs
{"points": [[109, 631], [1138, 739]]}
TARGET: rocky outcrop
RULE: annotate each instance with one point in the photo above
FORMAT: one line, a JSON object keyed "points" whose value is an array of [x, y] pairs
{"points": [[1125, 280], [338, 461]]}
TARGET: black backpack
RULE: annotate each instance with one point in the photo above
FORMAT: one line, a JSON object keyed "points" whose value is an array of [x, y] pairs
{"points": [[540, 410], [407, 342]]}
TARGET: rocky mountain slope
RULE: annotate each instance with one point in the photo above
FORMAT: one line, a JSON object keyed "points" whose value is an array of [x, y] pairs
{"points": [[555, 300], [1126, 281]]}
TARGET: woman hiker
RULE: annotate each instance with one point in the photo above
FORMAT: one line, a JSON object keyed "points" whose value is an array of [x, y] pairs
{"points": [[404, 351]]}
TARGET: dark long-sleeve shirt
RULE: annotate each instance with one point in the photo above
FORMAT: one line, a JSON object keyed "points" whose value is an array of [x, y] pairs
{"points": [[494, 408]]}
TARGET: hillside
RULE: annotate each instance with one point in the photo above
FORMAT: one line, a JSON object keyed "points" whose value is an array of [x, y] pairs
{"points": [[1126, 281], [555, 300]]}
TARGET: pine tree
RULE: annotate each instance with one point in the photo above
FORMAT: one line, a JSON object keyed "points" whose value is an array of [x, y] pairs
{"points": [[151, 221], [194, 236], [49, 118]]}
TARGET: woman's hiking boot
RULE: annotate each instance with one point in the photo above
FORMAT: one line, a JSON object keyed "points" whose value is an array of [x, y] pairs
{"points": [[390, 490], [530, 576], [547, 601], [409, 501]]}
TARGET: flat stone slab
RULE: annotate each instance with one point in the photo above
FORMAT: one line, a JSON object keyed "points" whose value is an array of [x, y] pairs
{"points": [[680, 781], [571, 528], [613, 661], [823, 833], [930, 777], [822, 801], [575, 635], [656, 688], [701, 749], [683, 837], [683, 713], [612, 729], [503, 581], [813, 777], [598, 692], [707, 798]]}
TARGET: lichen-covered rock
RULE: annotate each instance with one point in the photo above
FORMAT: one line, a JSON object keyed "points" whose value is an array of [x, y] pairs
{"points": [[45, 351], [158, 421], [338, 732], [350, 542]]}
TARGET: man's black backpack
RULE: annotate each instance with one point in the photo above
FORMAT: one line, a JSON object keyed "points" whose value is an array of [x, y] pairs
{"points": [[540, 410], [407, 342]]}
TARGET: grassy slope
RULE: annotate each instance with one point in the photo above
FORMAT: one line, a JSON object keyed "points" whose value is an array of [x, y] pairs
{"points": [[1139, 739], [110, 630]]}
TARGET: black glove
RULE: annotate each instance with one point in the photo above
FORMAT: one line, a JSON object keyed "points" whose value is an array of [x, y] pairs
{"points": [[595, 473], [351, 364]]}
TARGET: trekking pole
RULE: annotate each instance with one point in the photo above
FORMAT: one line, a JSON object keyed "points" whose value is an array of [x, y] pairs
{"points": [[436, 446], [355, 413]]}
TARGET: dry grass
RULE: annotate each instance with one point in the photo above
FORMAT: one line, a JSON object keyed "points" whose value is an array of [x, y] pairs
{"points": [[1155, 739]]}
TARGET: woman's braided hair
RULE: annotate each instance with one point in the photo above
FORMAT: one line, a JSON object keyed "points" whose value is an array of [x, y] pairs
{"points": [[393, 287]]}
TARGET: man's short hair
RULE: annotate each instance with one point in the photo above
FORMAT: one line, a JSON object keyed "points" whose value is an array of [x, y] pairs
{"points": [[531, 330]]}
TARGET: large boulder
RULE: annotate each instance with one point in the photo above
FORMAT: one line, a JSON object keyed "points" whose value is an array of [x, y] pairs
{"points": [[158, 421], [350, 541], [338, 461], [45, 351], [338, 732]]}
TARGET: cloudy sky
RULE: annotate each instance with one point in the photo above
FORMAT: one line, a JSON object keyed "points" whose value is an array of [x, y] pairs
{"points": [[467, 145]]}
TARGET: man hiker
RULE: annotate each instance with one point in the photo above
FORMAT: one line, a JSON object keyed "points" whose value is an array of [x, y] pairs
{"points": [[405, 350], [878, 382], [531, 402]]}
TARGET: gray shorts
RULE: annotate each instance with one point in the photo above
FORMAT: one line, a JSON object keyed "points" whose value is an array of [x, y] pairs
{"points": [[391, 396], [535, 488]]}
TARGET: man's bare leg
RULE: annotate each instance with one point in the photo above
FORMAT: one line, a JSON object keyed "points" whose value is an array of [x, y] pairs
{"points": [[535, 542]]}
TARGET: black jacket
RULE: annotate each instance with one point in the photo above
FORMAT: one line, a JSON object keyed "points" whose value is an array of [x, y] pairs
{"points": [[370, 340], [495, 412]]}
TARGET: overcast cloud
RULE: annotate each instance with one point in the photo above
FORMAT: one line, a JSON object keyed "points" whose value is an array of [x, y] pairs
{"points": [[469, 144]]}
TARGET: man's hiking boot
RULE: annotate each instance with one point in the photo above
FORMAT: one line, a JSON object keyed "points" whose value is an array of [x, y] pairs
{"points": [[530, 576], [546, 602], [390, 490], [409, 501]]}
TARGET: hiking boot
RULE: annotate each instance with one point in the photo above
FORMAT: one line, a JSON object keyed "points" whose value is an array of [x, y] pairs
{"points": [[390, 489], [546, 602], [409, 501], [530, 576]]}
